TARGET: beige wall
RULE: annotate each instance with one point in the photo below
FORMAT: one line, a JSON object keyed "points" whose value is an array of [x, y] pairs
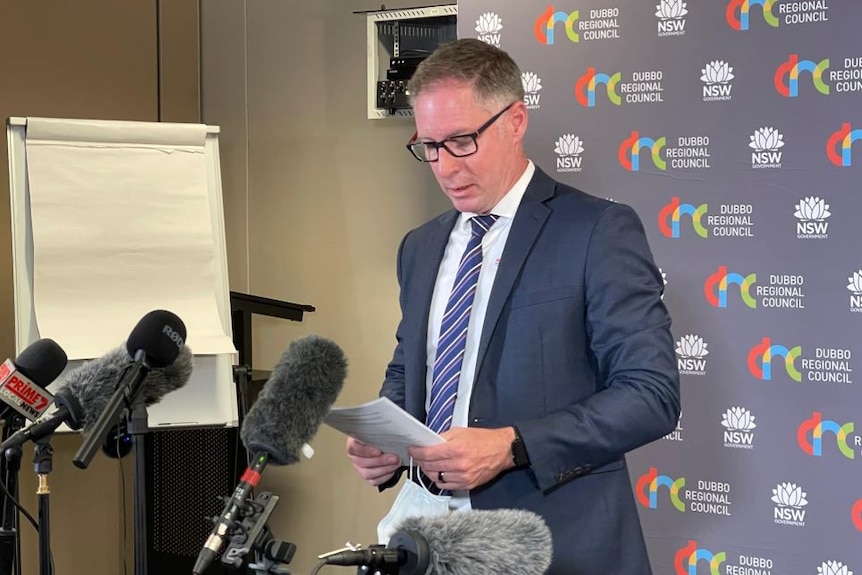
{"points": [[88, 59], [317, 199]]}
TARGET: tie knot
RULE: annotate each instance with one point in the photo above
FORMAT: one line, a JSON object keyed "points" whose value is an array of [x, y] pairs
{"points": [[482, 224]]}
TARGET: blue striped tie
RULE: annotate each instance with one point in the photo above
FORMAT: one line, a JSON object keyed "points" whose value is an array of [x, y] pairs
{"points": [[453, 329]]}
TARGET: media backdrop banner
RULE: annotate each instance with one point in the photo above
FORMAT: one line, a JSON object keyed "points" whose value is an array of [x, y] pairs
{"points": [[732, 127]]}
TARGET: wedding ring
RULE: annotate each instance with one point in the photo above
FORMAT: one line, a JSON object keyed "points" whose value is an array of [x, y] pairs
{"points": [[440, 477]]}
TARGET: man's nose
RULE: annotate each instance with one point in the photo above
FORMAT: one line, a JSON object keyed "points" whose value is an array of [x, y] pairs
{"points": [[446, 163]]}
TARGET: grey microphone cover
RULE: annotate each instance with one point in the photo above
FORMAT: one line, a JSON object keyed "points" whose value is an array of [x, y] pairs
{"points": [[482, 542], [293, 402], [94, 382]]}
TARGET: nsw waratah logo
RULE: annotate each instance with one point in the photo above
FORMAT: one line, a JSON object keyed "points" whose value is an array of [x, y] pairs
{"points": [[811, 215], [738, 428], [692, 353], [766, 143], [855, 287], [569, 148], [790, 502], [489, 25], [833, 568], [717, 76], [671, 17], [532, 86]]}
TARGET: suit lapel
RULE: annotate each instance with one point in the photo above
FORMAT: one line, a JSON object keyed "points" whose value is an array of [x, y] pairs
{"points": [[529, 220], [426, 265]]}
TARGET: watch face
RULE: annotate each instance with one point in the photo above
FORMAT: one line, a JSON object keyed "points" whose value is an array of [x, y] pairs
{"points": [[519, 453]]}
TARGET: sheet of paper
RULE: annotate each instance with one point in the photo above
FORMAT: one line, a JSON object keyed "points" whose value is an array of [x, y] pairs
{"points": [[121, 226], [384, 425]]}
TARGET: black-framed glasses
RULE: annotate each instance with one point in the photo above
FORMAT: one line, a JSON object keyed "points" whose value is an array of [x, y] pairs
{"points": [[458, 146]]}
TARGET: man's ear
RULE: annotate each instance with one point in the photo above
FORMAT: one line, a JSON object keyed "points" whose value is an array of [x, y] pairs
{"points": [[518, 120]]}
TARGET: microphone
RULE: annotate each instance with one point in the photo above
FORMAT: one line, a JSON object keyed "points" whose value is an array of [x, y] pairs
{"points": [[291, 406], [86, 391], [23, 381], [461, 543], [155, 342]]}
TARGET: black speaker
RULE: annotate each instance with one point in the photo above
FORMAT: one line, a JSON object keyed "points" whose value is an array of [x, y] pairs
{"points": [[187, 472]]}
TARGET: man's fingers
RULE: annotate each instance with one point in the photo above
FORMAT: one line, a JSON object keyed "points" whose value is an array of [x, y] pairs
{"points": [[359, 449]]}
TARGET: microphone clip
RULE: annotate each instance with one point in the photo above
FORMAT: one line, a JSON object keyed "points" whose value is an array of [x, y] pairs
{"points": [[252, 536]]}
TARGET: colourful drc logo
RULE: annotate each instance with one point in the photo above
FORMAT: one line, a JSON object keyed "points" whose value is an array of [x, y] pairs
{"points": [[647, 489], [787, 75], [686, 559], [741, 7], [814, 427], [856, 514], [715, 288], [630, 148], [760, 360], [669, 216], [544, 26], [845, 136], [585, 88]]}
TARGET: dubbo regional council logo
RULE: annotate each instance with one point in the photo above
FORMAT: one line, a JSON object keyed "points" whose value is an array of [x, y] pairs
{"points": [[689, 152], [638, 87], [687, 558], [787, 75], [839, 145], [810, 434], [776, 12], [586, 25]]}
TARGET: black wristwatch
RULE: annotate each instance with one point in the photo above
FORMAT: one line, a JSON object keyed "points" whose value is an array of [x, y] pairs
{"points": [[519, 451]]}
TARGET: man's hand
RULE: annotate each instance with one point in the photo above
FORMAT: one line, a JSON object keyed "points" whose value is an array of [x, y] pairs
{"points": [[373, 465], [470, 457]]}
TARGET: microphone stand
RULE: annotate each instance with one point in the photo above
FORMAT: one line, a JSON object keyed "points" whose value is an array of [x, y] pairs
{"points": [[43, 465], [138, 426], [10, 542], [252, 534]]}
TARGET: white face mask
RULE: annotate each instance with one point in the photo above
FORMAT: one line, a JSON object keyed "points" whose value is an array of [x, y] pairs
{"points": [[413, 501]]}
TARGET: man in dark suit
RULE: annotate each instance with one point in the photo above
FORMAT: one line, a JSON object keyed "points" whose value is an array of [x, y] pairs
{"points": [[566, 360]]}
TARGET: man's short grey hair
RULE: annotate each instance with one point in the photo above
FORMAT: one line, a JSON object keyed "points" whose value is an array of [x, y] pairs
{"points": [[493, 73]]}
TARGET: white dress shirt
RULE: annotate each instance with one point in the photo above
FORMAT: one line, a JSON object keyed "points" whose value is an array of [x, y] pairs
{"points": [[492, 250]]}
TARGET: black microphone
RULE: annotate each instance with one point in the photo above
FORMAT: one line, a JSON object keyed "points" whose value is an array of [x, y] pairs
{"points": [[156, 342], [461, 543], [87, 390], [291, 406], [23, 381]]}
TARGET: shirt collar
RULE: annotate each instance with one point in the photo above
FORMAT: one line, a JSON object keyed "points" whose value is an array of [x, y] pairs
{"points": [[508, 204]]}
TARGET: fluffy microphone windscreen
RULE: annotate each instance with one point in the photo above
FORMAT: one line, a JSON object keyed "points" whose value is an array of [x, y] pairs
{"points": [[293, 402], [161, 335], [42, 361], [485, 542], [94, 382]]}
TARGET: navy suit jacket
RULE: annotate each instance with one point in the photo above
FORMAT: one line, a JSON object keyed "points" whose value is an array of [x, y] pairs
{"points": [[575, 350]]}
